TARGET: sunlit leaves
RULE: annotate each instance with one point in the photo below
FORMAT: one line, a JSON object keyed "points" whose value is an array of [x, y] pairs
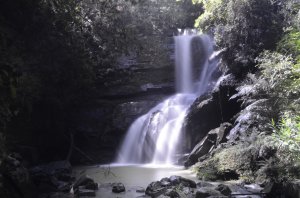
{"points": [[276, 69], [290, 44], [287, 136]]}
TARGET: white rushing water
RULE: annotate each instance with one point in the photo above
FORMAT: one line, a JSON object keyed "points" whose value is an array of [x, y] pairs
{"points": [[154, 137]]}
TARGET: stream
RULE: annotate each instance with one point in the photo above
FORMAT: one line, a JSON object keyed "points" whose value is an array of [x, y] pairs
{"points": [[134, 177]]}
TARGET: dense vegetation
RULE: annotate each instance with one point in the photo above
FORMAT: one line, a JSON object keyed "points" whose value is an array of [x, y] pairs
{"points": [[261, 39], [58, 57]]}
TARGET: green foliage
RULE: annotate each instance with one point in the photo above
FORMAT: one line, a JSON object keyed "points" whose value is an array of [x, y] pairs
{"points": [[243, 27], [287, 137], [214, 13], [290, 44], [277, 71], [261, 38], [240, 158], [137, 29]]}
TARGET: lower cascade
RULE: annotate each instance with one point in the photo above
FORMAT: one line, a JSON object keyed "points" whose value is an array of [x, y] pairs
{"points": [[155, 136]]}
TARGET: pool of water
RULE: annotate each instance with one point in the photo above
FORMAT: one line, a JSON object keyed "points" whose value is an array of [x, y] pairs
{"points": [[132, 176]]}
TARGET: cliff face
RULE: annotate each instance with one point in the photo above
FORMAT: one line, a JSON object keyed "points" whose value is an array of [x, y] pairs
{"points": [[142, 74]]}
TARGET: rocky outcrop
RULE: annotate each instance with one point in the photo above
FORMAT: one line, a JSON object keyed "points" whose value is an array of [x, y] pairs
{"points": [[15, 179], [169, 187], [118, 188], [85, 186], [249, 120], [176, 186], [125, 113], [210, 110], [210, 141], [53, 177]]}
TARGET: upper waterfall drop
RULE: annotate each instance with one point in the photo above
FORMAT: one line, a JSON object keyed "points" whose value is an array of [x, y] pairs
{"points": [[183, 62], [154, 137]]}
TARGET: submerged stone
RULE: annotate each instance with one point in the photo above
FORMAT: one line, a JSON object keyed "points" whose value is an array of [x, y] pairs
{"points": [[175, 179], [118, 188], [207, 192], [188, 182], [155, 189], [86, 192], [210, 141]]}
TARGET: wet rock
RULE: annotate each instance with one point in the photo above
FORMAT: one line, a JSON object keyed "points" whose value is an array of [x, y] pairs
{"points": [[172, 193], [175, 180], [202, 194], [92, 186], [174, 186], [118, 188], [188, 182], [165, 183], [207, 192], [206, 110], [249, 119], [199, 150], [225, 190], [155, 189], [140, 190], [165, 179], [212, 109], [211, 140], [60, 195], [187, 190], [86, 192], [124, 114], [144, 196], [204, 184], [83, 181], [85, 186], [182, 159], [162, 196]]}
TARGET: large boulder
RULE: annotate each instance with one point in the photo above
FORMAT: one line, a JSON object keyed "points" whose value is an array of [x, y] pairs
{"points": [[155, 189], [210, 110], [207, 192], [118, 188], [171, 187], [211, 140], [53, 177]]}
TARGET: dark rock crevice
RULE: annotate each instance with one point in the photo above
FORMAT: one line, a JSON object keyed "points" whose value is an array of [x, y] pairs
{"points": [[209, 111]]}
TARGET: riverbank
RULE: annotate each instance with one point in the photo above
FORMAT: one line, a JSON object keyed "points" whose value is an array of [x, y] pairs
{"points": [[161, 181]]}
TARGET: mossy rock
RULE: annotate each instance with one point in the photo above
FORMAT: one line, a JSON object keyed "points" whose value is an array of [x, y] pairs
{"points": [[230, 163]]}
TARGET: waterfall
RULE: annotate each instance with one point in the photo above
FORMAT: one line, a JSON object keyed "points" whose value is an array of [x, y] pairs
{"points": [[154, 137]]}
